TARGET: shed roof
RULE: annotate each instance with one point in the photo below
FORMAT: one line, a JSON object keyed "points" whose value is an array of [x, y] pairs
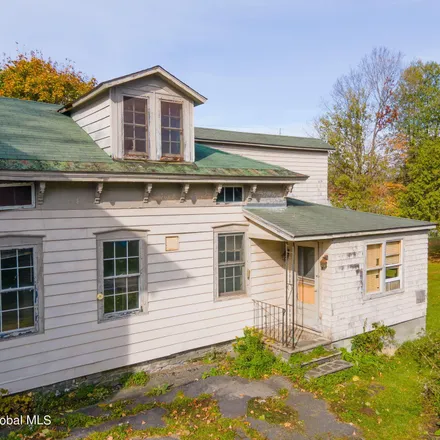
{"points": [[35, 137], [300, 220], [259, 139]]}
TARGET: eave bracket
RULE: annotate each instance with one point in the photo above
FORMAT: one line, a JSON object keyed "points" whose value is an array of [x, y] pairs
{"points": [[217, 190], [184, 193], [252, 192], [98, 192], [40, 194], [147, 192]]}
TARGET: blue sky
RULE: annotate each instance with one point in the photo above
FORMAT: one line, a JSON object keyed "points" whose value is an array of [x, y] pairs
{"points": [[265, 66]]}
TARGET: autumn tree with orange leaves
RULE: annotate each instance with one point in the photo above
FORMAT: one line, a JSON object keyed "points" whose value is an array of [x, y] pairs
{"points": [[33, 77]]}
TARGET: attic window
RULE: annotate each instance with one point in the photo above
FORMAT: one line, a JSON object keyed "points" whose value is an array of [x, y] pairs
{"points": [[17, 195], [172, 129], [135, 127]]}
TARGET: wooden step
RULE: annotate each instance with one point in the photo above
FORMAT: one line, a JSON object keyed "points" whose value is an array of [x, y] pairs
{"points": [[328, 368]]}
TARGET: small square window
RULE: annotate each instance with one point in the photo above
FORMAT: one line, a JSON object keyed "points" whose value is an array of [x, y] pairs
{"points": [[16, 196], [230, 194]]}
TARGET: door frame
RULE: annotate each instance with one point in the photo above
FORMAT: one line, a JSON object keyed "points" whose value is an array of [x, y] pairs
{"points": [[316, 324]]}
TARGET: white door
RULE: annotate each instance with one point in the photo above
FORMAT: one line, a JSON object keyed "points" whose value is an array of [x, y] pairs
{"points": [[307, 301]]}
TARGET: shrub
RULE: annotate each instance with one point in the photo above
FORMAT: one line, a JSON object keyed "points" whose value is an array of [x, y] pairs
{"points": [[372, 342], [254, 360], [16, 405]]}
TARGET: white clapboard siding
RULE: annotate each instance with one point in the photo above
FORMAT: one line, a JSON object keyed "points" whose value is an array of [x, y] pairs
{"points": [[312, 163], [182, 313], [94, 119], [267, 270], [344, 281]]}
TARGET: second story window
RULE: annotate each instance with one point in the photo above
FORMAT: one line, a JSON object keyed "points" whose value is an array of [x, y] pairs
{"points": [[230, 194], [171, 129], [135, 127], [16, 195]]}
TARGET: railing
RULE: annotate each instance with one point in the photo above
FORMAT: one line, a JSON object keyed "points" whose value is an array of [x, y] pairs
{"points": [[272, 321]]}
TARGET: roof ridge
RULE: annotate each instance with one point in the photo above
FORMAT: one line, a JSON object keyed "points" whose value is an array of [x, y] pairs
{"points": [[264, 134], [30, 100]]}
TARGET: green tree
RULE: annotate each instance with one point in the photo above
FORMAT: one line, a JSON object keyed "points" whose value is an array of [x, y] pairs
{"points": [[417, 101], [421, 199], [417, 104], [35, 78], [358, 124]]}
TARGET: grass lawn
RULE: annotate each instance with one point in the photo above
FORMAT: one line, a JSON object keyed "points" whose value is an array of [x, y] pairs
{"points": [[433, 318], [387, 401]]}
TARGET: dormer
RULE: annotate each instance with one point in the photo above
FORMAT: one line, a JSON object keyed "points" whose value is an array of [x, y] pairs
{"points": [[147, 115]]}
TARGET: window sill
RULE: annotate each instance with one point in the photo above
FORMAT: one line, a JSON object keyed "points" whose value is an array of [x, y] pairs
{"points": [[231, 296], [121, 315], [9, 336], [171, 159], [136, 157], [371, 296]]}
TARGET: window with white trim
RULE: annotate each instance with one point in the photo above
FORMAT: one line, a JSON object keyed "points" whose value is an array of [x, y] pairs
{"points": [[135, 126], [171, 129], [230, 194], [17, 195], [231, 264], [121, 273], [122, 276], [384, 267], [18, 305]]}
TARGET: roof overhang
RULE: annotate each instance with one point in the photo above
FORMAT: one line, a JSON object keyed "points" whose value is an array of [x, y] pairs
{"points": [[255, 144], [52, 176], [156, 70], [288, 236]]}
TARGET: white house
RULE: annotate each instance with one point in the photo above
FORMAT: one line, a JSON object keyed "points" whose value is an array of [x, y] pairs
{"points": [[127, 236]]}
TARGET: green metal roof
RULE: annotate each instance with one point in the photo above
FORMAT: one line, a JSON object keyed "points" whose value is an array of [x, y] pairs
{"points": [[226, 136], [32, 130], [303, 219], [35, 137]]}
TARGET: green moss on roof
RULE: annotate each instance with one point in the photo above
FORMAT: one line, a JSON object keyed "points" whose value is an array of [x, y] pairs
{"points": [[36, 131], [227, 136], [35, 137], [303, 219]]}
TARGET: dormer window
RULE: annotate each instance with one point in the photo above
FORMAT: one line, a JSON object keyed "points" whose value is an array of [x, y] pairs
{"points": [[135, 127], [172, 130]]}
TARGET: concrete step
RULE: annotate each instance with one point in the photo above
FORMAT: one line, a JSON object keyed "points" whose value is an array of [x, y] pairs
{"points": [[328, 368], [322, 360]]}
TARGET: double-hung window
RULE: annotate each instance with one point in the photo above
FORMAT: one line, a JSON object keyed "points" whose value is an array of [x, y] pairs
{"points": [[121, 276], [135, 126], [18, 305], [231, 264], [171, 130], [384, 267]]}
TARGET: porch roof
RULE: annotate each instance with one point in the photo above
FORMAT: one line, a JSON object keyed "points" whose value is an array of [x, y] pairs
{"points": [[301, 220]]}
